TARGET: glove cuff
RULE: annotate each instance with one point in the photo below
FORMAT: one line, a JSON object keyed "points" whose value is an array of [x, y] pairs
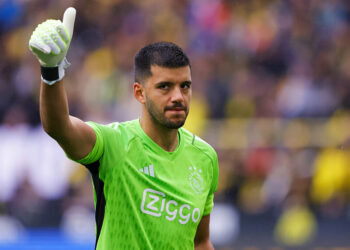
{"points": [[51, 75]]}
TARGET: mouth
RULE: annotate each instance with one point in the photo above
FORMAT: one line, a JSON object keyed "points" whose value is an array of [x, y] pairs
{"points": [[175, 110], [176, 113]]}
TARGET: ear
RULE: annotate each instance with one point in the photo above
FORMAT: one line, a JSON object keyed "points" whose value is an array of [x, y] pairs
{"points": [[139, 92]]}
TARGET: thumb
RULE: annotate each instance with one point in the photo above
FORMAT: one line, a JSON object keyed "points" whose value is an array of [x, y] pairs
{"points": [[68, 20]]}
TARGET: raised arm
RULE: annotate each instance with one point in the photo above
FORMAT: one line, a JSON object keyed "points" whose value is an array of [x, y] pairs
{"points": [[49, 43]]}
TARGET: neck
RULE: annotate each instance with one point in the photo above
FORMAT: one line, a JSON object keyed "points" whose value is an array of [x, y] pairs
{"points": [[166, 138]]}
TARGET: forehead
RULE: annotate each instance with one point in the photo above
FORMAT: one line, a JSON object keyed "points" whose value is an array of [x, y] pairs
{"points": [[163, 74]]}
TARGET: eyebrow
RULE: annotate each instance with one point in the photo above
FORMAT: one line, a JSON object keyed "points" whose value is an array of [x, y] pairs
{"points": [[171, 83]]}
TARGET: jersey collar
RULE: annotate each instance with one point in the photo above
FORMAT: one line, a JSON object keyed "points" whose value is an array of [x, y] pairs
{"points": [[155, 146]]}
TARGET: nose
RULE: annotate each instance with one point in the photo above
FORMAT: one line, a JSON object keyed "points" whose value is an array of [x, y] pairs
{"points": [[177, 95]]}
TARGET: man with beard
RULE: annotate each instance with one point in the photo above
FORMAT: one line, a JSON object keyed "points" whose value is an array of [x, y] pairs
{"points": [[153, 180]]}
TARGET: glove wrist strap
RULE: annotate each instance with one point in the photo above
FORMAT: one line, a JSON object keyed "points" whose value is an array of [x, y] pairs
{"points": [[51, 75]]}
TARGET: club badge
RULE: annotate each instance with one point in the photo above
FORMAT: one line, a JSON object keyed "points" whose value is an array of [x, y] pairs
{"points": [[196, 180]]}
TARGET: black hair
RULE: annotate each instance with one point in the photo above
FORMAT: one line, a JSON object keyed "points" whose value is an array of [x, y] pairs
{"points": [[163, 54]]}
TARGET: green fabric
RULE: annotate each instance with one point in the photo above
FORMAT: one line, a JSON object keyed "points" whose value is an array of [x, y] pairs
{"points": [[154, 199]]}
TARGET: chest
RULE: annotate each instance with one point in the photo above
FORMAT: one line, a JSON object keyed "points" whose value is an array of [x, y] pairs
{"points": [[187, 173], [173, 187]]}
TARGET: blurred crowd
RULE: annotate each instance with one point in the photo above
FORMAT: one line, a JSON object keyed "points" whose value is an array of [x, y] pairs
{"points": [[271, 93]]}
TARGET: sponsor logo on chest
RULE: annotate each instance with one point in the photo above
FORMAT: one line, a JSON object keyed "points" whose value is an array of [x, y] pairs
{"points": [[156, 203]]}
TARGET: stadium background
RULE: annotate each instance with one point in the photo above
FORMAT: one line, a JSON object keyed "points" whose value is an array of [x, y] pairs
{"points": [[271, 93]]}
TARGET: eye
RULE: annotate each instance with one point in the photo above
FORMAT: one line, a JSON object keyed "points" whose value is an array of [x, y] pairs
{"points": [[186, 85], [163, 85]]}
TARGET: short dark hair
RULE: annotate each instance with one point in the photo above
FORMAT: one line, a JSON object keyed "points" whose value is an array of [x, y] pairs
{"points": [[164, 54]]}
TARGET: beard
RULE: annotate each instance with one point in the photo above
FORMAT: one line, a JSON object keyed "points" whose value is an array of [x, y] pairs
{"points": [[159, 117]]}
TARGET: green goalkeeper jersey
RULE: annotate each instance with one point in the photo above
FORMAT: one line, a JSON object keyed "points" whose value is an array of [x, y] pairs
{"points": [[146, 197]]}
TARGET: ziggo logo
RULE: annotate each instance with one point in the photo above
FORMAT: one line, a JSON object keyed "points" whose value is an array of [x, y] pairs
{"points": [[154, 202]]}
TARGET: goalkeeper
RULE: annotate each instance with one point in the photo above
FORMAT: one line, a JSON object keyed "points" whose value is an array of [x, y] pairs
{"points": [[153, 180]]}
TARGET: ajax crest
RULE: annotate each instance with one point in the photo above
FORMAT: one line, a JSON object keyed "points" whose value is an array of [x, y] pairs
{"points": [[196, 180]]}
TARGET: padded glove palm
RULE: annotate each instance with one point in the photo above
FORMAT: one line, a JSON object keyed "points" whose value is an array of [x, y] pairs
{"points": [[50, 42]]}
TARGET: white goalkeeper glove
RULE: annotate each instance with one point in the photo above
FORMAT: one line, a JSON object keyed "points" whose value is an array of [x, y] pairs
{"points": [[50, 42]]}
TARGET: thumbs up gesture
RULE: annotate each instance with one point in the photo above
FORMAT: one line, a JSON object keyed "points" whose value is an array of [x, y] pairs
{"points": [[50, 42]]}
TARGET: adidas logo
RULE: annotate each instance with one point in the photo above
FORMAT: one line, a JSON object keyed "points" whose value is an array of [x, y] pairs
{"points": [[148, 170]]}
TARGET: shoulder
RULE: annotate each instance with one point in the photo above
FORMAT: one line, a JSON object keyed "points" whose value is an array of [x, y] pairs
{"points": [[114, 125], [194, 141], [126, 129]]}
